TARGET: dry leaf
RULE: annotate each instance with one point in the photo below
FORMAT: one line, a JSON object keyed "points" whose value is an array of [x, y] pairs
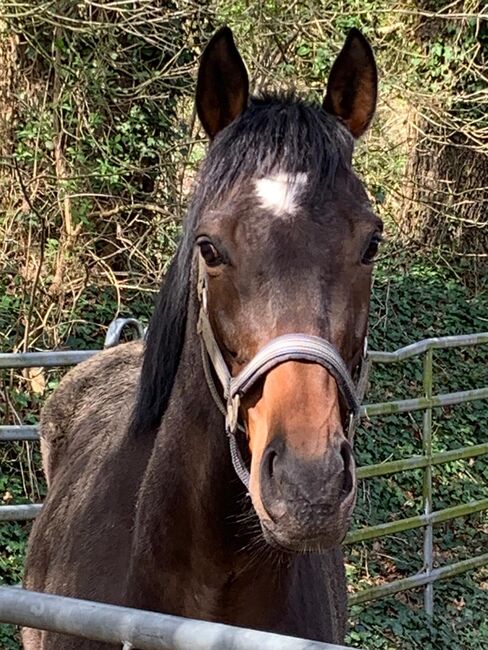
{"points": [[37, 379], [7, 497], [459, 603]]}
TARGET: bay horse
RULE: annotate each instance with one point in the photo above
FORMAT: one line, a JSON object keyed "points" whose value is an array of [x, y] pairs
{"points": [[258, 327]]}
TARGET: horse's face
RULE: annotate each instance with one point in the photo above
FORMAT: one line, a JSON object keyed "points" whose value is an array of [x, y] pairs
{"points": [[292, 251]]}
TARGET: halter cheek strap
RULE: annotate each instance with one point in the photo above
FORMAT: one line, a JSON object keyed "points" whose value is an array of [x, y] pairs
{"points": [[294, 346]]}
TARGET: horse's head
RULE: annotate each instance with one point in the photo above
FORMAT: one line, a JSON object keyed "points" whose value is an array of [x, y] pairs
{"points": [[288, 238]]}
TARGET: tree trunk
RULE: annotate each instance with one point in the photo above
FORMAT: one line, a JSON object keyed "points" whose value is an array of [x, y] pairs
{"points": [[446, 188], [446, 193]]}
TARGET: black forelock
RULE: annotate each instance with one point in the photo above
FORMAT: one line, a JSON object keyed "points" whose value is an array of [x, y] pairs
{"points": [[274, 133]]}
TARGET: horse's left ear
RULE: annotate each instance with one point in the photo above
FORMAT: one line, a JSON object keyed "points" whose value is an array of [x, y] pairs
{"points": [[223, 84], [353, 84]]}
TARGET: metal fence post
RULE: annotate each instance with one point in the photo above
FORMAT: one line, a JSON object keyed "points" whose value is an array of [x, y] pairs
{"points": [[427, 484]]}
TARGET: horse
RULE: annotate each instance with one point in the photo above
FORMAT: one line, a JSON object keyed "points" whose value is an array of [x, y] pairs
{"points": [[207, 472]]}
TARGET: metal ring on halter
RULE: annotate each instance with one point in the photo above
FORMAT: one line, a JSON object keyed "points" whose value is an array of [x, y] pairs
{"points": [[232, 415], [205, 298]]}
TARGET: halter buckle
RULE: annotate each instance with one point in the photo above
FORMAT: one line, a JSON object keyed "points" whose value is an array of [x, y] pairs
{"points": [[232, 416], [353, 420]]}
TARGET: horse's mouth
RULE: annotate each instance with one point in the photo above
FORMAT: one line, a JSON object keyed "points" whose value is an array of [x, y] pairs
{"points": [[297, 544]]}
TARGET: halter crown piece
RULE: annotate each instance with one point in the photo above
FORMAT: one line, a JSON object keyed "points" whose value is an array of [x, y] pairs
{"points": [[294, 346]]}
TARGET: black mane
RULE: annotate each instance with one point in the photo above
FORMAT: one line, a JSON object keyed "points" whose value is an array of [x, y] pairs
{"points": [[274, 132]]}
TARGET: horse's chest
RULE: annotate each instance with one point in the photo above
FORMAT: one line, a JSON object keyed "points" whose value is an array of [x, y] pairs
{"points": [[223, 598], [203, 601]]}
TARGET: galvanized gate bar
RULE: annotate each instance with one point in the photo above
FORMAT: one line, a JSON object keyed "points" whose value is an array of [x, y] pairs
{"points": [[437, 517], [417, 462], [435, 343], [419, 580], [23, 512], [143, 630], [421, 403], [44, 359], [30, 432], [19, 432], [28, 511]]}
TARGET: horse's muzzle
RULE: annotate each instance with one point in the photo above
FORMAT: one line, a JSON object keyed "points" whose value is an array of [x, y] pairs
{"points": [[308, 503]]}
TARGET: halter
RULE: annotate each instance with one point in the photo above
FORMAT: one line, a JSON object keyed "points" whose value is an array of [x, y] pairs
{"points": [[295, 346]]}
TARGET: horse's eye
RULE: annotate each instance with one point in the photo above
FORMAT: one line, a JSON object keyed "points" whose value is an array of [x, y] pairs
{"points": [[209, 253], [372, 250]]}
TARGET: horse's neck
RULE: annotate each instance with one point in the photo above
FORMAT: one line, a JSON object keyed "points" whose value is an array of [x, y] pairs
{"points": [[197, 548], [188, 550]]}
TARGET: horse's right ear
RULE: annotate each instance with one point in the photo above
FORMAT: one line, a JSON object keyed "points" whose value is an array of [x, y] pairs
{"points": [[223, 84]]}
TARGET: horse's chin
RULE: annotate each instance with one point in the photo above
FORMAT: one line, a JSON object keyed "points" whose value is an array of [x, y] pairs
{"points": [[295, 543]]}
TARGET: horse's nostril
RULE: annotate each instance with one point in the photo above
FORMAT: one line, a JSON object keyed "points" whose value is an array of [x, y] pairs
{"points": [[270, 461], [272, 484], [347, 482]]}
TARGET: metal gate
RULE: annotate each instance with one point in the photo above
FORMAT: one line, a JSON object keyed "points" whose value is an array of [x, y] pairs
{"points": [[425, 461], [134, 628]]}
